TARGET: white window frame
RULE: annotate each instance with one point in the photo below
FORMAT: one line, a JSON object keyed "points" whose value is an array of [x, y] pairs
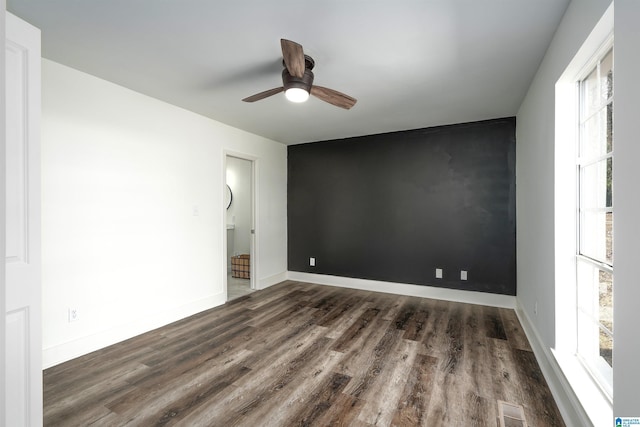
{"points": [[589, 340]]}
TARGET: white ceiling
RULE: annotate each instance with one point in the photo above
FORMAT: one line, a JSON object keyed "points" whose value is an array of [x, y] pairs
{"points": [[410, 63]]}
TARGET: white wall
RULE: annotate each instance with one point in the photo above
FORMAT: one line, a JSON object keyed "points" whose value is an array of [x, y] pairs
{"points": [[3, 6], [626, 354], [239, 213], [535, 169], [535, 189], [132, 211]]}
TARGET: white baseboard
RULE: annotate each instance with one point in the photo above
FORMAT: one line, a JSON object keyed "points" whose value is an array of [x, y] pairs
{"points": [[66, 351], [471, 297], [272, 280], [570, 407]]}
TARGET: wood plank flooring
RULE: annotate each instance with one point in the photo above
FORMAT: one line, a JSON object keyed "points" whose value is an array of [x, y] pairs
{"points": [[310, 355]]}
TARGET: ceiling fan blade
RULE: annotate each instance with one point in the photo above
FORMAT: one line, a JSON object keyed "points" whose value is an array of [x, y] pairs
{"points": [[333, 97], [293, 56], [263, 95]]}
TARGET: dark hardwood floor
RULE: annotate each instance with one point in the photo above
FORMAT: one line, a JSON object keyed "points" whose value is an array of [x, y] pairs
{"points": [[303, 354]]}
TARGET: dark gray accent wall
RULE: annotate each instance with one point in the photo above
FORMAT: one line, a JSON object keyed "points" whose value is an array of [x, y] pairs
{"points": [[394, 207]]}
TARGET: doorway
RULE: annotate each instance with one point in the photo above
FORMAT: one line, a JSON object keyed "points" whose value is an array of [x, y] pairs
{"points": [[239, 208]]}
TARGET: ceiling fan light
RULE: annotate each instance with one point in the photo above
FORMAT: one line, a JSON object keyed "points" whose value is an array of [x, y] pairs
{"points": [[296, 94]]}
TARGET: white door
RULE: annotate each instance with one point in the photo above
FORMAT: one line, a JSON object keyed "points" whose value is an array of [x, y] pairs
{"points": [[23, 357]]}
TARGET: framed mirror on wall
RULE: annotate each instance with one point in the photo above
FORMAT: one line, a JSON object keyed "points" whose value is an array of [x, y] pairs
{"points": [[228, 197]]}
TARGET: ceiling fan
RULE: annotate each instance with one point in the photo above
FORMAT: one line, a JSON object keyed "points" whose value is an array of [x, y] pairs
{"points": [[297, 80]]}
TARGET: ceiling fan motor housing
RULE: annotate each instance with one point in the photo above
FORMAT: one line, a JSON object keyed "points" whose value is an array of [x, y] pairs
{"points": [[289, 81]]}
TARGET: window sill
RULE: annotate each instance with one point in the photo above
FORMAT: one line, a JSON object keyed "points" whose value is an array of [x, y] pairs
{"points": [[594, 401]]}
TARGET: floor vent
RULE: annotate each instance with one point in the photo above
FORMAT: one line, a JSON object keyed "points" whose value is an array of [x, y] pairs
{"points": [[510, 415]]}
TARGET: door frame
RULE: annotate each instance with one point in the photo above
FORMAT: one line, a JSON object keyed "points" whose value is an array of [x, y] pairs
{"points": [[3, 43], [253, 246]]}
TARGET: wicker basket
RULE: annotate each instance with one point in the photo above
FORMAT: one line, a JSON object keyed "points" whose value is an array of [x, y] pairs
{"points": [[241, 266]]}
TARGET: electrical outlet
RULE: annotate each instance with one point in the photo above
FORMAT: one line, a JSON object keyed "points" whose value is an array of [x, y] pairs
{"points": [[438, 273], [463, 274], [73, 315], [312, 262]]}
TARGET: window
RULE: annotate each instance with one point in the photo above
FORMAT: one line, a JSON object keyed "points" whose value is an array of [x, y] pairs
{"points": [[584, 201], [594, 258]]}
